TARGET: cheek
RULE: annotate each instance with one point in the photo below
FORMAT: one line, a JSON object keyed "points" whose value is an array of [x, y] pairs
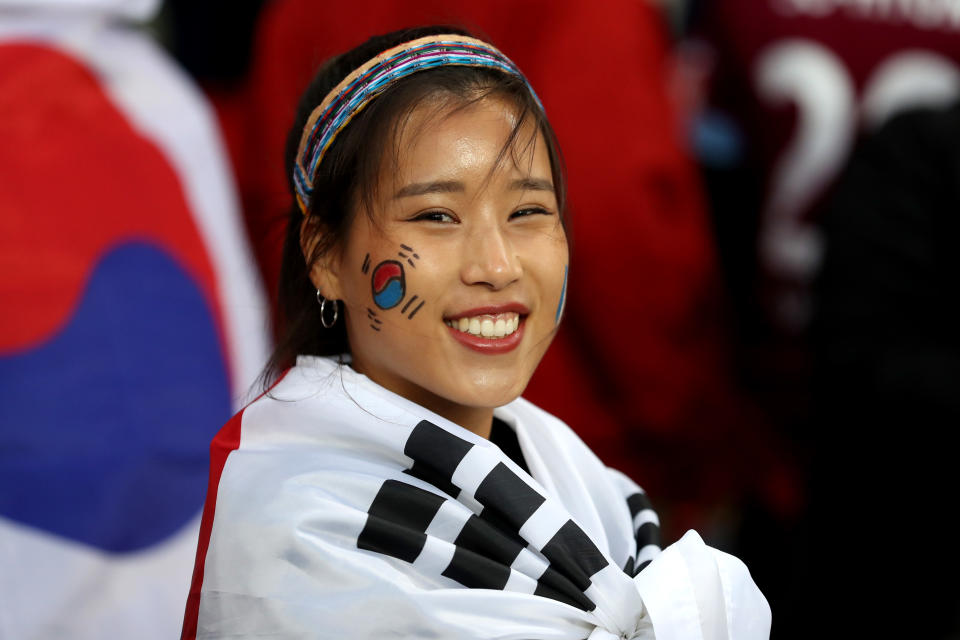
{"points": [[386, 288], [555, 276]]}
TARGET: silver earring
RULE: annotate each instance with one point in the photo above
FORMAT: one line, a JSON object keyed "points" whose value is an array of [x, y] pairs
{"points": [[323, 311]]}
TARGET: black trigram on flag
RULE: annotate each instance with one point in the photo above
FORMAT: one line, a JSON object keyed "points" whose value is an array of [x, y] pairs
{"points": [[488, 550], [647, 532]]}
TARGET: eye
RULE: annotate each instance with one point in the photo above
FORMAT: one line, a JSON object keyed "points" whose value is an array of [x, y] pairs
{"points": [[434, 216], [530, 211]]}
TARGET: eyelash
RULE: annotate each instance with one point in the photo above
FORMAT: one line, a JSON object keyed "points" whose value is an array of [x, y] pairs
{"points": [[431, 216], [523, 213]]}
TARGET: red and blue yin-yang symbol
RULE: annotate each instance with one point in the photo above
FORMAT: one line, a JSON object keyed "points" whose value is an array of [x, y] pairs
{"points": [[388, 284], [113, 373]]}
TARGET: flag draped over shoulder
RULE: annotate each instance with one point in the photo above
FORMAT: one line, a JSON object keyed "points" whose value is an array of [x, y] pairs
{"points": [[132, 323], [339, 509]]}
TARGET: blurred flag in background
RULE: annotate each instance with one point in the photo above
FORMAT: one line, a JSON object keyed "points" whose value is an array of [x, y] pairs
{"points": [[132, 322]]}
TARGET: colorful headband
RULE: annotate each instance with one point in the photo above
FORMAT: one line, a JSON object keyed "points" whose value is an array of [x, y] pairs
{"points": [[371, 79]]}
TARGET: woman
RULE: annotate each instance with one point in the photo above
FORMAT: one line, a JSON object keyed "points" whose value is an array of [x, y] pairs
{"points": [[399, 486]]}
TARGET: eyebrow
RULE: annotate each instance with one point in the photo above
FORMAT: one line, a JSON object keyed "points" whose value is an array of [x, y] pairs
{"points": [[532, 184], [454, 186], [421, 188]]}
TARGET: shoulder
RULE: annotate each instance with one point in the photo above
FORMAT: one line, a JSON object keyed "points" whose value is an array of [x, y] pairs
{"points": [[306, 396]]}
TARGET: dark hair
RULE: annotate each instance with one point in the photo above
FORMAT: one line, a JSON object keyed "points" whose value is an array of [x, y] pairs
{"points": [[349, 173]]}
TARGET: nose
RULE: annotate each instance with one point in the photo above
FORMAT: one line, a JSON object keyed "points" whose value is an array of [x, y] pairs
{"points": [[489, 259]]}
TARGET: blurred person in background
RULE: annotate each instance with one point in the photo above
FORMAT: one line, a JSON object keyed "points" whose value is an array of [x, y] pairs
{"points": [[791, 84], [133, 320]]}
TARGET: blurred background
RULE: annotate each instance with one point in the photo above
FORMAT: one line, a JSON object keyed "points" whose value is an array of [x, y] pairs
{"points": [[780, 180]]}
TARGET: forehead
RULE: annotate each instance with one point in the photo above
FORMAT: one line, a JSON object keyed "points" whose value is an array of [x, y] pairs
{"points": [[442, 137]]}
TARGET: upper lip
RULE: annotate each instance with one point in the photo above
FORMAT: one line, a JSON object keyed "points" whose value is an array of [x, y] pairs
{"points": [[490, 310]]}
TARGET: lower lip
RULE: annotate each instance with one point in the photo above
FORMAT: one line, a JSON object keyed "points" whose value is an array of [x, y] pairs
{"points": [[489, 346]]}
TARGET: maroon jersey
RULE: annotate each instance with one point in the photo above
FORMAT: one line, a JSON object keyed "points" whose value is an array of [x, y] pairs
{"points": [[801, 78]]}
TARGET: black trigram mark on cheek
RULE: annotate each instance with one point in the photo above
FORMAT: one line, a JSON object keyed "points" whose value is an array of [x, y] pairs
{"points": [[415, 309], [374, 320], [407, 255], [366, 264]]}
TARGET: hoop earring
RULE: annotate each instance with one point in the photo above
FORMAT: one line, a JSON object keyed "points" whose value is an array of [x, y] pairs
{"points": [[323, 311]]}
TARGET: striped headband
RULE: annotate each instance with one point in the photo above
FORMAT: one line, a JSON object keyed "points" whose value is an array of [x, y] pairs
{"points": [[371, 79]]}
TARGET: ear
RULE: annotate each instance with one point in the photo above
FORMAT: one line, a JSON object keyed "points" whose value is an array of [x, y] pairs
{"points": [[324, 271]]}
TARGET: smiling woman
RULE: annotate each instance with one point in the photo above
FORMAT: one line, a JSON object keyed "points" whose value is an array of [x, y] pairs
{"points": [[392, 482]]}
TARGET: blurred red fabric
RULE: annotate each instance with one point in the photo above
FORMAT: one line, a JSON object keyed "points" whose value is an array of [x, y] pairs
{"points": [[107, 167]]}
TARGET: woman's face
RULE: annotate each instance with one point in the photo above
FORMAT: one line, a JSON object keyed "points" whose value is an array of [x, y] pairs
{"points": [[453, 291]]}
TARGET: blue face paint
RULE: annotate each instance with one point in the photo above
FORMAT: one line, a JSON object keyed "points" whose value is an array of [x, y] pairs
{"points": [[388, 284], [563, 296]]}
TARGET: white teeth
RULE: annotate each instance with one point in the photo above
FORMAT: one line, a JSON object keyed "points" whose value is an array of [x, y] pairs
{"points": [[487, 326]]}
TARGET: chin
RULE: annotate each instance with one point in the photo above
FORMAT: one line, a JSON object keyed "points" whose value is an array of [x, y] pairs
{"points": [[490, 390]]}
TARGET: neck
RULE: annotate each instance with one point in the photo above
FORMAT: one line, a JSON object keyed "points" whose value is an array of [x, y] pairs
{"points": [[479, 420], [476, 419]]}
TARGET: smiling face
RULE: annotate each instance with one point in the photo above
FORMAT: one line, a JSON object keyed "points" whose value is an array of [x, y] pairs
{"points": [[453, 286]]}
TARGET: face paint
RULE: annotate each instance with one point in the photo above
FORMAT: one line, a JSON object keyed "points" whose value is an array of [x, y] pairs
{"points": [[563, 296], [411, 252], [410, 302], [375, 322], [388, 284]]}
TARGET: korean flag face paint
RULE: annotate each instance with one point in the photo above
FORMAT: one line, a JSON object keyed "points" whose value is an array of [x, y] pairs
{"points": [[388, 284]]}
